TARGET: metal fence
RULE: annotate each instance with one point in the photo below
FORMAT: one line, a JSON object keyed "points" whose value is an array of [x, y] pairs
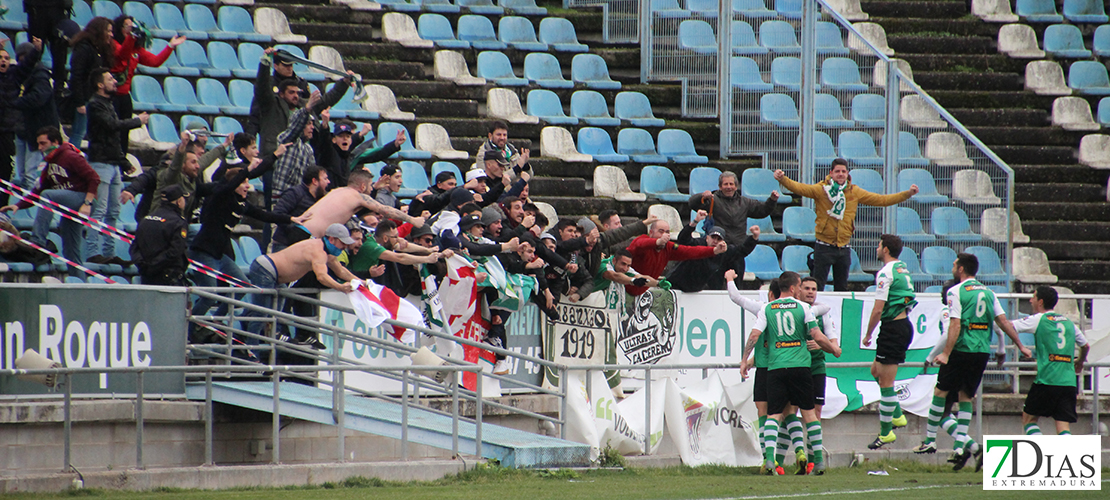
{"points": [[620, 18], [819, 88], [683, 45]]}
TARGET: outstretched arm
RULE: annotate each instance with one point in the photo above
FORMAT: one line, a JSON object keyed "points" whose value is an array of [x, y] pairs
{"points": [[390, 212]]}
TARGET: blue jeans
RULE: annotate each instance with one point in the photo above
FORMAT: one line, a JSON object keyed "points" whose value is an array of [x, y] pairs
{"points": [[69, 231], [262, 277], [106, 210], [28, 161], [224, 265], [77, 131]]}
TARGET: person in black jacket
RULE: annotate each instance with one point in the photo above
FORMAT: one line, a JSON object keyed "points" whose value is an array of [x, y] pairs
{"points": [[296, 201], [39, 111], [709, 274], [159, 246], [282, 70], [92, 48], [344, 148], [225, 204], [11, 119], [106, 156]]}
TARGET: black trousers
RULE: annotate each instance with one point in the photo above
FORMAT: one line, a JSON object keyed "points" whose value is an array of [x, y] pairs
{"points": [[839, 259], [7, 155], [42, 22]]}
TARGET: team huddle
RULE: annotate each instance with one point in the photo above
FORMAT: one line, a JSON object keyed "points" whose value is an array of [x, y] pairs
{"points": [[792, 334]]}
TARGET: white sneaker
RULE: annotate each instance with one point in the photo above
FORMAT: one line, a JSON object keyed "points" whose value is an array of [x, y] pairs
{"points": [[502, 367]]}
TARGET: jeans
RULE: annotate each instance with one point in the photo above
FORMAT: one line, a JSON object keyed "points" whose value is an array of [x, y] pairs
{"points": [[106, 209], [28, 163], [840, 259], [224, 265], [79, 128], [261, 276], [69, 231]]}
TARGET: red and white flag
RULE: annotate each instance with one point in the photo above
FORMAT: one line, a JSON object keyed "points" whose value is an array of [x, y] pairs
{"points": [[374, 303]]}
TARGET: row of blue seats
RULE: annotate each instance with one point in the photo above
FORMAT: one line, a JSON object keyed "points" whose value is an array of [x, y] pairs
{"points": [[866, 110], [586, 69], [177, 95], [484, 7], [835, 73], [1065, 40], [636, 145], [935, 263], [947, 223], [512, 31], [789, 9], [221, 60], [775, 36], [165, 20], [1079, 11], [859, 149], [590, 108]]}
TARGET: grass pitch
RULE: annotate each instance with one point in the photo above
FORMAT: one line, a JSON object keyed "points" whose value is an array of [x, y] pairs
{"points": [[906, 481]]}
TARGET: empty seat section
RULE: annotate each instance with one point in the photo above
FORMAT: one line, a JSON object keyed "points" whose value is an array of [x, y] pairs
{"points": [[697, 36], [841, 73], [659, 182], [560, 35], [952, 224], [778, 37], [200, 18], [763, 263], [148, 96], [909, 152], [634, 108], [495, 67], [523, 7], [869, 110], [767, 233], [829, 40], [786, 72], [437, 28], [828, 113], [858, 148], [481, 7], [799, 223], [519, 33], [909, 228], [478, 30], [545, 105], [443, 6], [169, 18], [1038, 11], [1085, 11], [990, 265], [823, 151], [704, 179], [778, 109], [678, 146], [212, 93], [543, 70], [235, 19], [180, 91], [870, 180], [222, 56], [795, 258], [1065, 40], [746, 75], [925, 183], [590, 107], [597, 143], [639, 146], [591, 70], [1089, 77], [743, 40], [758, 183]]}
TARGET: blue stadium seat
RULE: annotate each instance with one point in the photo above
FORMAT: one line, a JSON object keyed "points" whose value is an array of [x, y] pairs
{"points": [[495, 67], [697, 36], [241, 93], [639, 146], [869, 110], [790, 9], [786, 71], [25, 219], [401, 5], [1038, 11], [869, 180], [171, 66], [1065, 40], [1085, 11], [590, 107], [934, 289], [909, 226], [519, 33], [928, 187], [200, 18], [757, 184], [597, 143], [799, 223], [827, 112], [478, 30], [829, 40], [763, 263], [659, 182], [348, 108], [767, 233], [990, 265], [95, 280], [222, 56], [437, 28], [841, 73], [162, 129], [560, 35], [823, 151], [226, 125], [142, 13], [1101, 44], [446, 166], [778, 37], [180, 91], [440, 6], [193, 122], [858, 148], [127, 218], [937, 261], [545, 105], [523, 7], [753, 8], [746, 75], [74, 280], [82, 13], [855, 270], [169, 18], [249, 56], [704, 179], [191, 55], [909, 151], [481, 7], [951, 224], [703, 8], [147, 95], [744, 42], [913, 265], [678, 146], [795, 258], [414, 179], [387, 132], [301, 70], [15, 18], [778, 109], [668, 9], [1104, 111], [591, 70], [123, 250], [235, 19], [250, 248], [634, 108], [544, 70], [101, 8], [1089, 77]]}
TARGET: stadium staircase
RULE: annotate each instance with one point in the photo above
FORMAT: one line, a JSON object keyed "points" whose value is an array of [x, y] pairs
{"points": [[511, 447], [1062, 204]]}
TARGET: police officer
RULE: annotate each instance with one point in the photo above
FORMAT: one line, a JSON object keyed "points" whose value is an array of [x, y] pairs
{"points": [[159, 246]]}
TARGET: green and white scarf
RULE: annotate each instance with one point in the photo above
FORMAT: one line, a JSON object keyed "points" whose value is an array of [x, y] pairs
{"points": [[835, 193]]}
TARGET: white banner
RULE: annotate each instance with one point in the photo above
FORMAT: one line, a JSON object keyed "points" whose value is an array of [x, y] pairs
{"points": [[582, 333], [708, 428]]}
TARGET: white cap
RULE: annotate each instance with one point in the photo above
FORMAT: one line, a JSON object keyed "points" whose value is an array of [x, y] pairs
{"points": [[475, 174]]}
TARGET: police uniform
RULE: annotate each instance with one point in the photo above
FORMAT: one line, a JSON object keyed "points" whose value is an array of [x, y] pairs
{"points": [[160, 243]]}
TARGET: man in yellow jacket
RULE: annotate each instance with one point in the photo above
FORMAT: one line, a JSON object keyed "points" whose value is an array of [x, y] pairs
{"points": [[835, 200]]}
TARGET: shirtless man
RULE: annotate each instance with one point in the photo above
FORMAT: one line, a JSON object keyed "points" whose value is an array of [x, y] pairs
{"points": [[340, 204], [289, 265]]}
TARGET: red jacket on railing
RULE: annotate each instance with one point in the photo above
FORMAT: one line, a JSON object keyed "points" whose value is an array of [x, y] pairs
{"points": [[129, 57], [66, 168], [650, 260]]}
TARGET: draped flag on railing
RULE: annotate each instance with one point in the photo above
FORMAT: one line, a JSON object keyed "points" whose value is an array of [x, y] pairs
{"points": [[374, 303], [462, 305]]}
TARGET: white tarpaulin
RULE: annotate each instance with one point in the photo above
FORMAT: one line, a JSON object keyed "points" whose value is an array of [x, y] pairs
{"points": [[708, 428]]}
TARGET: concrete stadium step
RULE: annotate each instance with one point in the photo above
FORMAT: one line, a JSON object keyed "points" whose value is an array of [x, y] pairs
{"points": [[1092, 211], [1071, 192], [975, 81], [915, 25], [567, 186], [579, 206], [380, 50], [934, 9], [1018, 135], [1086, 286], [512, 447], [1060, 173], [990, 63], [1047, 155], [969, 99], [945, 44], [1080, 269], [1067, 230], [341, 32], [391, 70], [323, 13], [1074, 250], [988, 117]]}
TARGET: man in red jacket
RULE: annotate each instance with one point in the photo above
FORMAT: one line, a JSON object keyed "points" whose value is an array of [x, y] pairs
{"points": [[651, 252], [67, 180]]}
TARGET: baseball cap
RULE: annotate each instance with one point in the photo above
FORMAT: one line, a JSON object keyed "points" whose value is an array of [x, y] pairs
{"points": [[341, 232], [388, 170], [444, 176], [469, 221], [460, 196], [172, 192], [718, 232], [548, 236], [475, 174], [343, 128]]}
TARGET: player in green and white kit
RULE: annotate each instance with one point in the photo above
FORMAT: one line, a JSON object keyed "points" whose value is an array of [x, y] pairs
{"points": [[786, 321], [894, 298], [972, 309], [1053, 392]]}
